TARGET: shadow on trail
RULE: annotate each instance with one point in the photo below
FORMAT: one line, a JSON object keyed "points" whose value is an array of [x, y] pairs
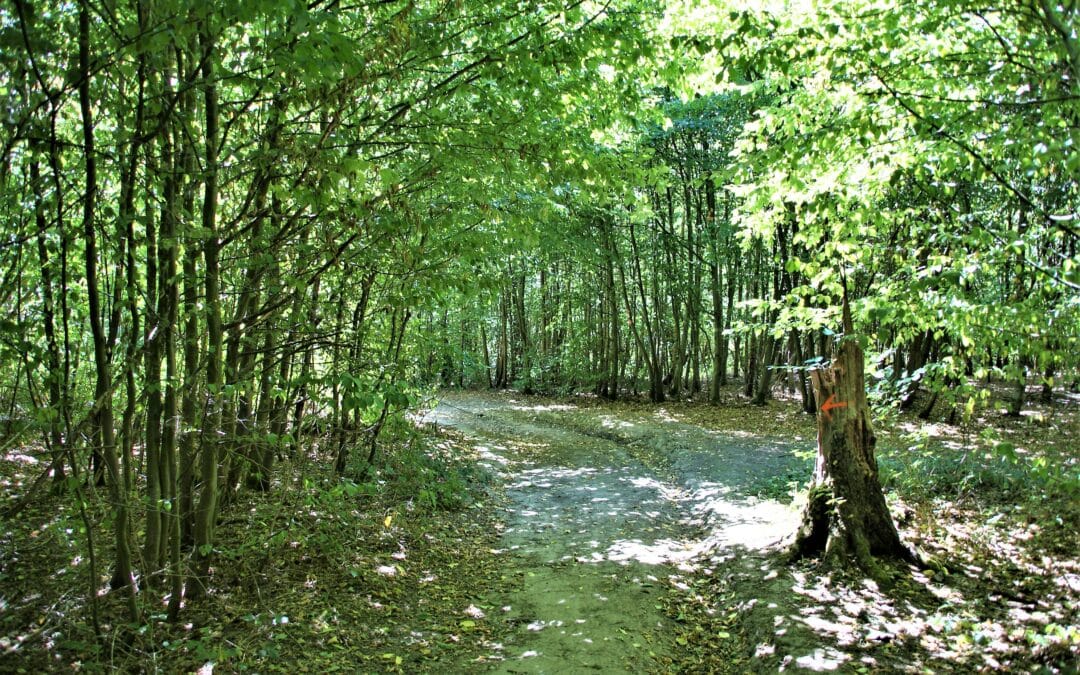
{"points": [[603, 512]]}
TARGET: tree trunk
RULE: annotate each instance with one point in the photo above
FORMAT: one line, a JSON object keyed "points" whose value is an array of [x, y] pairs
{"points": [[168, 307], [192, 334], [719, 355], [1016, 403], [650, 350], [125, 232], [918, 355], [694, 303], [613, 334], [1046, 394], [523, 333], [106, 434], [732, 276], [750, 370], [763, 384], [189, 400], [153, 545], [57, 414], [846, 514], [307, 369], [206, 509], [806, 393], [487, 353], [502, 356]]}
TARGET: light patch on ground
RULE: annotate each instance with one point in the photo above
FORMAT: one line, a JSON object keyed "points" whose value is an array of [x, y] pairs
{"points": [[664, 551], [601, 506], [551, 407], [611, 422]]}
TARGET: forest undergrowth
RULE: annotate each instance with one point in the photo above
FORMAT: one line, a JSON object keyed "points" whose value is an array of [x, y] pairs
{"points": [[370, 573], [995, 501]]}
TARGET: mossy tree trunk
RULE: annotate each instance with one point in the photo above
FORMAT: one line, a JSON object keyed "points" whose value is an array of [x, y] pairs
{"points": [[846, 514]]}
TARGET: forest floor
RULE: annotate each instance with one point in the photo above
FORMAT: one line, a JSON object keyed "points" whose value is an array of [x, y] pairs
{"points": [[645, 538], [523, 534]]}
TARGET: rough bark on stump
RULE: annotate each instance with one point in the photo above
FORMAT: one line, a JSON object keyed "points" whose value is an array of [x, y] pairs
{"points": [[846, 513]]}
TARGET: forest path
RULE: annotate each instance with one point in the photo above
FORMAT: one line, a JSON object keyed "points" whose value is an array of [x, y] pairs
{"points": [[606, 507]]}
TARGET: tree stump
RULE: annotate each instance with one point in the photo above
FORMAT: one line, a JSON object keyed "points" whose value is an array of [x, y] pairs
{"points": [[846, 514]]}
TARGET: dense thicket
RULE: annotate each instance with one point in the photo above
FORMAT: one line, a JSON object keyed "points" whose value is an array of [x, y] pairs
{"points": [[221, 222]]}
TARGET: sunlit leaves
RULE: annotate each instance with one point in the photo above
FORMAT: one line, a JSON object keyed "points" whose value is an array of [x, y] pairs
{"points": [[918, 150]]}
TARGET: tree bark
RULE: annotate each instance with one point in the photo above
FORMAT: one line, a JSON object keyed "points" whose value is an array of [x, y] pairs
{"points": [[523, 333], [502, 357], [763, 383], [651, 350], [57, 414], [806, 394], [846, 514], [487, 353], [168, 318]]}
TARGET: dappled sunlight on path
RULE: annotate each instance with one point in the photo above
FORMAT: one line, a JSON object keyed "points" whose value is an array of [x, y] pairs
{"points": [[603, 511]]}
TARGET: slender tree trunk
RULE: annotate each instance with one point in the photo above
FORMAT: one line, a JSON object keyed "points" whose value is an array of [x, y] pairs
{"points": [[805, 392], [614, 360], [307, 368], [1016, 403], [732, 284], [524, 344], [463, 350], [359, 333], [693, 261], [122, 572], [397, 336], [189, 423], [55, 376], [502, 374], [168, 318], [263, 454], [545, 325], [189, 400], [649, 350], [125, 232], [1046, 394], [271, 408], [487, 354], [719, 367], [763, 386], [918, 356], [206, 510], [154, 336], [750, 371]]}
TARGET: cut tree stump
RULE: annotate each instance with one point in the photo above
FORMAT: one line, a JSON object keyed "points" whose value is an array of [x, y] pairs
{"points": [[846, 514]]}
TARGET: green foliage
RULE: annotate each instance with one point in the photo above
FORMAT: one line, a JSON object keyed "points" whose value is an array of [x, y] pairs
{"points": [[989, 468], [287, 217], [420, 471]]}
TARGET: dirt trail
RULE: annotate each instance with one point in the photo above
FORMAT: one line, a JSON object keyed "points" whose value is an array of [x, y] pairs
{"points": [[604, 511]]}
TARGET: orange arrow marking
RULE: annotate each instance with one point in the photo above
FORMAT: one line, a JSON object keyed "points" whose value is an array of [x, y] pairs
{"points": [[831, 403]]}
